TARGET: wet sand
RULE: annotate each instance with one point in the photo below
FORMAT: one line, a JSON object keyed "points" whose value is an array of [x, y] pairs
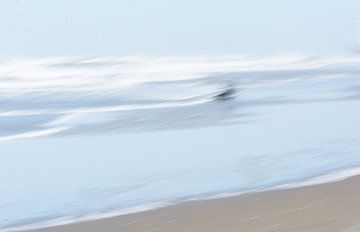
{"points": [[321, 208]]}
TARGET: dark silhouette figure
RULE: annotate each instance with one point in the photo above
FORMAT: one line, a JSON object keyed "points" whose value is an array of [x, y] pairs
{"points": [[226, 94]]}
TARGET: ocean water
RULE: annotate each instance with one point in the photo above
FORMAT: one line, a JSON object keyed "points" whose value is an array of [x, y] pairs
{"points": [[82, 139]]}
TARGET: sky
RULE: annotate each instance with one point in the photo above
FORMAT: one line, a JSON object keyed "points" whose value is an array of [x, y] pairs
{"points": [[176, 27]]}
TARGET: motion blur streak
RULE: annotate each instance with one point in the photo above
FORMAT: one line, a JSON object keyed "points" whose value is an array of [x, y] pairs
{"points": [[63, 96]]}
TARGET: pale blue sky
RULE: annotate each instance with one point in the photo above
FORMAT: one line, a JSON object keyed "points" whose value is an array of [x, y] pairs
{"points": [[113, 27]]}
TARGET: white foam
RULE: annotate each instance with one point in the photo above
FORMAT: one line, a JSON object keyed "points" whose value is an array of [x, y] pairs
{"points": [[52, 74], [69, 87], [328, 178]]}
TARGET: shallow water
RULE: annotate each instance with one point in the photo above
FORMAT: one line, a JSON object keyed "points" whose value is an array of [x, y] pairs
{"points": [[85, 138]]}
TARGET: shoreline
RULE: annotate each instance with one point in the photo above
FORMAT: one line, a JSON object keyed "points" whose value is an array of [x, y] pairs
{"points": [[326, 202]]}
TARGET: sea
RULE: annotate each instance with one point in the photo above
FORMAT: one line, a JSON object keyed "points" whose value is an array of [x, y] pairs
{"points": [[88, 138]]}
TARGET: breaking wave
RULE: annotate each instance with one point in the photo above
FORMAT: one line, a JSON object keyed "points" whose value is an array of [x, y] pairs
{"points": [[62, 96]]}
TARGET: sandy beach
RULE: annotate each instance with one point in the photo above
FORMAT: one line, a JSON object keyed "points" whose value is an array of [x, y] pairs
{"points": [[326, 207]]}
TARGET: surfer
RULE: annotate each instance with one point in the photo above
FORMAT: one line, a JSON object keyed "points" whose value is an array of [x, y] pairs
{"points": [[226, 94]]}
